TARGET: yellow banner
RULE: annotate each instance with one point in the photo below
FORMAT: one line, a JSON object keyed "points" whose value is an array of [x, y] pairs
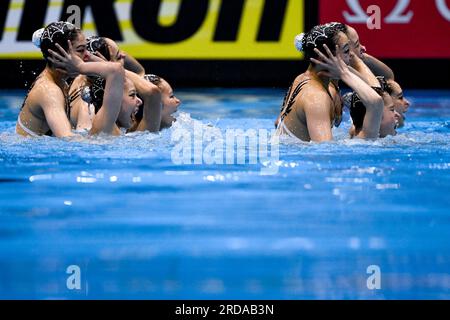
{"points": [[253, 29]]}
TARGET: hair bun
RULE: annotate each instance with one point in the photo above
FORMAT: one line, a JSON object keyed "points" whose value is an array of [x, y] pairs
{"points": [[37, 37], [299, 42]]}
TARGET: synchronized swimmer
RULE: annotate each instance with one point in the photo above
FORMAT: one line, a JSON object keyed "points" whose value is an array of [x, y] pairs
{"points": [[108, 93], [90, 85]]}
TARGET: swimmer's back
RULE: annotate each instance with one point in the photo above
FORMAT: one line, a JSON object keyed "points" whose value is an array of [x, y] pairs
{"points": [[32, 115]]}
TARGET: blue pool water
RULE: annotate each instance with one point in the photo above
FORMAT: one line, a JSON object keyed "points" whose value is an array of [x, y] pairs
{"points": [[140, 226]]}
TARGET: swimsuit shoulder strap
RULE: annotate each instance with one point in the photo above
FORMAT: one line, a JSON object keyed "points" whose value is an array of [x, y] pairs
{"points": [[291, 97]]}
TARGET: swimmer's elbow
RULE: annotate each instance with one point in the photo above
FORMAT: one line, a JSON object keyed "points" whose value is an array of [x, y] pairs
{"points": [[115, 68], [379, 103], [140, 72], [375, 102]]}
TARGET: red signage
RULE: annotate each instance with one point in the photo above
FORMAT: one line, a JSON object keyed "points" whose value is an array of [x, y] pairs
{"points": [[395, 28]]}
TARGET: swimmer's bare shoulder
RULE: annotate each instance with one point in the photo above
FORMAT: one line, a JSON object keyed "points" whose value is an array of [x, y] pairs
{"points": [[48, 99], [314, 107], [312, 94]]}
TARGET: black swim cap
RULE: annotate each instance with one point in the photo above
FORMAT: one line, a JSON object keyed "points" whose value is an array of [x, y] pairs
{"points": [[99, 44], [317, 37], [358, 109]]}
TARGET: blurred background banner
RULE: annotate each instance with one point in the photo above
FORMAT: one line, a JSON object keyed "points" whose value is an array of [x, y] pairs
{"points": [[232, 43], [165, 29], [408, 28]]}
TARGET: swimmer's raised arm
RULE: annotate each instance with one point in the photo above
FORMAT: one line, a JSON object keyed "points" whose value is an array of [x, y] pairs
{"points": [[338, 69], [374, 112], [358, 74], [105, 119], [378, 67], [151, 96], [370, 98], [372, 101], [364, 72], [359, 68]]}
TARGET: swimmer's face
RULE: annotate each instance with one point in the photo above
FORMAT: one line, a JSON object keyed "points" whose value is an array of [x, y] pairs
{"points": [[79, 46], [389, 122], [343, 46], [116, 54], [170, 103], [130, 105], [355, 44], [401, 104]]}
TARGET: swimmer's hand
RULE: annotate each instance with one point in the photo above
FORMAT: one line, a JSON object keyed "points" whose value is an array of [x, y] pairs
{"points": [[354, 59], [334, 66], [97, 57], [68, 62], [356, 62]]}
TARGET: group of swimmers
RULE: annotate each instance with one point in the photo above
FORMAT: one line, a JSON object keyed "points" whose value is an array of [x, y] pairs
{"points": [[91, 85]]}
